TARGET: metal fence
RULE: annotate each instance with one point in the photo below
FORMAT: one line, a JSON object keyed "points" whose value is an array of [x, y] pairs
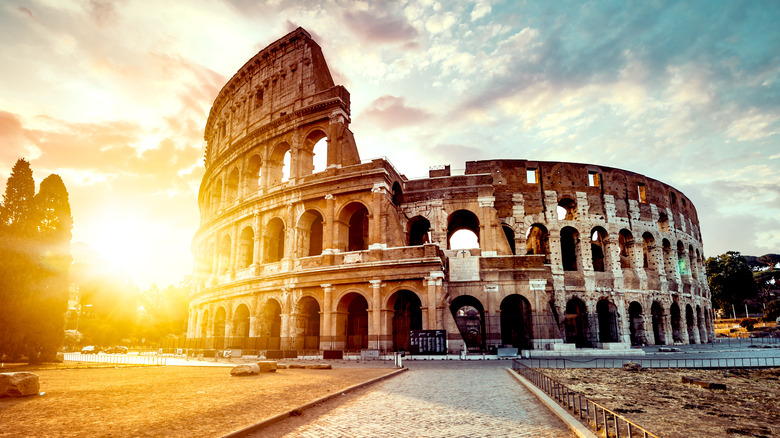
{"points": [[595, 415], [118, 359], [702, 363]]}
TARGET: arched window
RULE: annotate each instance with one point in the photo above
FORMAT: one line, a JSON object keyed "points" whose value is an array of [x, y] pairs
{"points": [[465, 224], [231, 187], [246, 247], [510, 237], [682, 259], [419, 231], [663, 222], [216, 198], [567, 209], [537, 241], [598, 245], [398, 195], [310, 227], [692, 259], [240, 333], [286, 166], [274, 240], [570, 238], [648, 244], [279, 164], [608, 321], [353, 226], [626, 244], [252, 175], [224, 255]]}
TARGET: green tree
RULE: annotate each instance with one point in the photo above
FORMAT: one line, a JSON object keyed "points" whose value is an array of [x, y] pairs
{"points": [[730, 279], [772, 310]]}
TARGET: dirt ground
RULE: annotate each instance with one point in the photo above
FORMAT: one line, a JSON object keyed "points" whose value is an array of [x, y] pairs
{"points": [[658, 400], [164, 401]]}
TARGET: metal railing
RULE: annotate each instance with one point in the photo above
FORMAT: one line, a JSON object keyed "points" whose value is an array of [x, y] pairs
{"points": [[117, 359], [617, 362], [595, 415]]}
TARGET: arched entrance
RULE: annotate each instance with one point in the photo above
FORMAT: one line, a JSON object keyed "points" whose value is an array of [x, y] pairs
{"points": [[674, 313], [240, 333], [270, 323], [516, 322], [577, 329], [690, 324], [309, 322], [608, 321], [353, 321], [470, 318], [636, 324], [659, 333], [219, 329], [407, 316]]}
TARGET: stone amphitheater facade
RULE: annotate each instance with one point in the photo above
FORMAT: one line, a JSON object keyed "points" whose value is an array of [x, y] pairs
{"points": [[567, 257]]}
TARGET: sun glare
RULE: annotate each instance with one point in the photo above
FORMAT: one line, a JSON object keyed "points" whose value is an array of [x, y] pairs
{"points": [[119, 240]]}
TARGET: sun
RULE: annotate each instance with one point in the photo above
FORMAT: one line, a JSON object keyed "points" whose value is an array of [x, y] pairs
{"points": [[120, 239]]}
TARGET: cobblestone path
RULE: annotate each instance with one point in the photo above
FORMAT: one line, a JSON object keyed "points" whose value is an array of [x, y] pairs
{"points": [[441, 399]]}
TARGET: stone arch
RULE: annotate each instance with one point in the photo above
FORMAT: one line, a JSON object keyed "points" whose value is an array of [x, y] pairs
{"points": [[516, 325], [626, 245], [308, 321], [310, 229], [570, 243], [692, 261], [274, 240], [608, 319], [352, 320], [663, 222], [537, 241], [253, 174], [419, 231], [406, 309], [690, 324], [218, 331], [676, 320], [269, 323], [246, 247], [682, 264], [701, 324], [509, 233], [240, 334], [398, 194], [224, 254], [577, 324], [204, 324], [231, 187], [275, 163], [648, 244], [469, 316], [462, 220], [567, 209], [353, 226], [598, 248], [636, 324], [315, 145], [658, 320], [216, 196]]}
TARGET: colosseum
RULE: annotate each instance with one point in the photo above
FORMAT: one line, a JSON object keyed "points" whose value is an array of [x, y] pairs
{"points": [[351, 255]]}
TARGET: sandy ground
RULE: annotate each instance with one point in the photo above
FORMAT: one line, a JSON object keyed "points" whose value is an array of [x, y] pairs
{"points": [[660, 402], [164, 401]]}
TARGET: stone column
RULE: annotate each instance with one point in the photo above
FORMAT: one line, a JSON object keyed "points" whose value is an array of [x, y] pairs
{"points": [[329, 225], [326, 322], [257, 248], [434, 284], [375, 226], [487, 235], [376, 309]]}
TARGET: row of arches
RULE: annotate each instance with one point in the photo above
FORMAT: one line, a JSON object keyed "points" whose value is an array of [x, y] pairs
{"points": [[267, 168]]}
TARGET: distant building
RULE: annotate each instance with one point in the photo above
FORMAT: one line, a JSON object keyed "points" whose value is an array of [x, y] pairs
{"points": [[567, 256]]}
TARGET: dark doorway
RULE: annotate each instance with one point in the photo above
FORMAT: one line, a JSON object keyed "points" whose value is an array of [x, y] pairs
{"points": [[516, 322], [407, 316]]}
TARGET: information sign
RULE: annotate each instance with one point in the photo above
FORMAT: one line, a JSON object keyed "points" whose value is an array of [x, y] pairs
{"points": [[428, 342]]}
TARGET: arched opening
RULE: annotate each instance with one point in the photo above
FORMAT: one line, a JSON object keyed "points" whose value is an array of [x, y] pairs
{"points": [[626, 244], [470, 318], [704, 339], [270, 325], [204, 325], [598, 245], [537, 241], [224, 254], [274, 251], [240, 335], [510, 237], [690, 324], [516, 322], [231, 187], [310, 228], [309, 322], [407, 316], [353, 321], [279, 164], [252, 175], [246, 247], [674, 314], [219, 329], [577, 328], [468, 223], [669, 266], [398, 194], [608, 321], [636, 324], [567, 209], [692, 259], [648, 244], [663, 222], [319, 157], [216, 197], [682, 259], [419, 231], [570, 238], [659, 332], [286, 166], [358, 230]]}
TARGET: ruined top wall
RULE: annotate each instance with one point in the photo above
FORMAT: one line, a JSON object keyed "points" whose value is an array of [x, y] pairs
{"points": [[286, 77]]}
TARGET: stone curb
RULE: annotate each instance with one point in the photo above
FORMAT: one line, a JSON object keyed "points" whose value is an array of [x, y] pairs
{"points": [[277, 418], [575, 425]]}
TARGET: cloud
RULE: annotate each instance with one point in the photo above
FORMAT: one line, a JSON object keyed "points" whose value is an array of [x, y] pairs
{"points": [[390, 112], [379, 27], [481, 9]]}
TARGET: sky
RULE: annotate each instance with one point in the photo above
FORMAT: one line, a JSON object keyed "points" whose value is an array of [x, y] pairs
{"points": [[113, 96]]}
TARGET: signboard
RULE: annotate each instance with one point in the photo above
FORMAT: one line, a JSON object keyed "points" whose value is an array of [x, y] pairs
{"points": [[428, 342]]}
